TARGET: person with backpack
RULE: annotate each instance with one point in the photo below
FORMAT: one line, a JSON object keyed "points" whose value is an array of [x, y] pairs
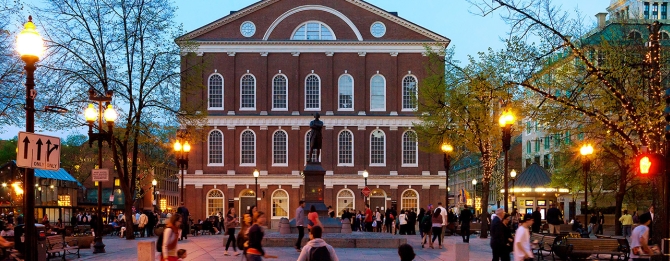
{"points": [[426, 226], [169, 238], [230, 224], [255, 250], [317, 249]]}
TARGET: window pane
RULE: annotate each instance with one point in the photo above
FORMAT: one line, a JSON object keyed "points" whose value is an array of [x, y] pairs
{"points": [[345, 200], [215, 147], [215, 91], [377, 148], [214, 202], [377, 93], [312, 95], [279, 204], [345, 148], [279, 92], [325, 33], [346, 88], [299, 34], [248, 91], [410, 200], [409, 148], [527, 146], [248, 152], [409, 93], [279, 148], [313, 31]]}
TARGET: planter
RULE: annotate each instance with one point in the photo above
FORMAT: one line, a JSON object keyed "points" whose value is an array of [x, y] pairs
{"points": [[84, 242]]}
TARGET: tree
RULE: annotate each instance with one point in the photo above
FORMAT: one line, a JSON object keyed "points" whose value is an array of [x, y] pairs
{"points": [[462, 105], [76, 156], [602, 81], [125, 47], [11, 67]]}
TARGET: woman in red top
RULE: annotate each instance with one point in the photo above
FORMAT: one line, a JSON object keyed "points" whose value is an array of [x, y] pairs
{"points": [[313, 218], [368, 218]]}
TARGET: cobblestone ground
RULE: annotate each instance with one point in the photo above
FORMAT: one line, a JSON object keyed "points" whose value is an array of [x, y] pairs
{"points": [[209, 247]]}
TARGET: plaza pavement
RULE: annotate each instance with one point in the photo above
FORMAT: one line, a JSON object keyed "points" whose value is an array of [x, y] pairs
{"points": [[209, 247]]}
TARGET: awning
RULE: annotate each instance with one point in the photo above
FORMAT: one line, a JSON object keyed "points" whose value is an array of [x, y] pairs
{"points": [[60, 174]]}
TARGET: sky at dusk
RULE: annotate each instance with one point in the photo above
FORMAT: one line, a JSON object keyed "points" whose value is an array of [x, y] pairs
{"points": [[456, 19]]}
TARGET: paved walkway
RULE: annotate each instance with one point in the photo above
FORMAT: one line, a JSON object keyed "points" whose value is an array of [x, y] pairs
{"points": [[209, 247]]}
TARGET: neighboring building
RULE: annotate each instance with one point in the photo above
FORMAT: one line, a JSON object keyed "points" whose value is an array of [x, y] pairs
{"points": [[638, 9], [270, 66]]}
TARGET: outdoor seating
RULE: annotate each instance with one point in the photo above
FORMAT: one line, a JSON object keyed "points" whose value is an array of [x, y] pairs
{"points": [[585, 247], [57, 247]]}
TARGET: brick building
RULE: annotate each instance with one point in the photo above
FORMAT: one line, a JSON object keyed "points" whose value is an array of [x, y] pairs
{"points": [[269, 67]]}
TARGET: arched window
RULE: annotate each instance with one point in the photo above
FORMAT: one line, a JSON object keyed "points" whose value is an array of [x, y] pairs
{"points": [[247, 200], [279, 148], [346, 92], [313, 30], [215, 148], [634, 35], [377, 148], [665, 36], [345, 200], [377, 199], [248, 92], [410, 200], [280, 93], [409, 93], [215, 91], [378, 93], [409, 149], [345, 146], [215, 202], [312, 93], [248, 148], [280, 204]]}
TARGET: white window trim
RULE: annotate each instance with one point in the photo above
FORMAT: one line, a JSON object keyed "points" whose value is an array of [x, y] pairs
{"points": [[273, 93], [370, 156], [402, 103], [353, 158], [337, 198], [305, 93], [312, 21], [222, 96], [207, 197], [402, 152], [223, 154], [273, 149], [288, 200], [353, 83], [255, 93], [384, 78], [418, 199], [255, 149]]}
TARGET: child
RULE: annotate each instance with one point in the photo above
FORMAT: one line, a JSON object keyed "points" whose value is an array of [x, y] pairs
{"points": [[181, 253]]}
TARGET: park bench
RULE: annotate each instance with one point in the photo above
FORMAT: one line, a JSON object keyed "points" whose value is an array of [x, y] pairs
{"points": [[536, 243], [585, 247], [546, 246], [475, 228], [57, 247]]}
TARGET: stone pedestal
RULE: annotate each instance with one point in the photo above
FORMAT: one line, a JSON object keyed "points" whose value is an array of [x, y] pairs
{"points": [[314, 188], [346, 226], [146, 250], [284, 226], [458, 252]]}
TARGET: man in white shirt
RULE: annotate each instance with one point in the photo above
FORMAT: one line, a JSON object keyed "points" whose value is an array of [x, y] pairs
{"points": [[640, 237], [522, 250], [444, 214]]}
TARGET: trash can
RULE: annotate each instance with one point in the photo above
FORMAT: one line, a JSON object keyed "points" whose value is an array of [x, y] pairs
{"points": [[41, 242]]}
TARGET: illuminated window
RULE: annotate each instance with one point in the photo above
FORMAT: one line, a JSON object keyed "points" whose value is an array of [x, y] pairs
{"points": [[214, 202], [163, 204], [280, 204], [410, 200], [64, 201], [345, 200]]}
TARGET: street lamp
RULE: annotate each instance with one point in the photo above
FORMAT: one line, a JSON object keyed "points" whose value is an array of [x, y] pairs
{"points": [[447, 149], [513, 176], [182, 160], [91, 115], [30, 46], [365, 175], [474, 199], [153, 184], [506, 120], [586, 150], [256, 174]]}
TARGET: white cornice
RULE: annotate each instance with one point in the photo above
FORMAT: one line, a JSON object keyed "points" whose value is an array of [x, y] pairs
{"points": [[320, 47], [329, 181], [381, 121]]}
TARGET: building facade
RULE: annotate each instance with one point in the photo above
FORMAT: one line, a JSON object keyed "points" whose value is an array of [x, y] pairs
{"points": [[269, 67]]}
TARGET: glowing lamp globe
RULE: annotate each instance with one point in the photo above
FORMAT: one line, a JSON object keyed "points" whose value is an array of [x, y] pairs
{"points": [[110, 114], [29, 43], [365, 174], [91, 114], [154, 182], [256, 173], [177, 146], [447, 148], [186, 147]]}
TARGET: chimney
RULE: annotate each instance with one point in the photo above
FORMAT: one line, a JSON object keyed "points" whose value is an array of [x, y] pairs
{"points": [[602, 19]]}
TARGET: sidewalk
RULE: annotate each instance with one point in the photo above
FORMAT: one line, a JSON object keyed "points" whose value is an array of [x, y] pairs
{"points": [[209, 247]]}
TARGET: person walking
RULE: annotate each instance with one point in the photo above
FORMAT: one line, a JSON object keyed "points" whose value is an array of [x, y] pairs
{"points": [[437, 227], [317, 248], [445, 217], [626, 223], [368, 218], [300, 224], [498, 240], [555, 219], [229, 225], [522, 250], [507, 224], [515, 219], [255, 251], [537, 220], [378, 219], [313, 218], [636, 218], [183, 211], [170, 238], [242, 238], [403, 222], [426, 225], [142, 223], [422, 212], [465, 218]]}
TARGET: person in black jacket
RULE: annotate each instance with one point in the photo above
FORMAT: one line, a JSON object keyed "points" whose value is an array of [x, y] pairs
{"points": [[465, 219], [498, 240], [601, 222], [537, 220], [255, 250], [554, 218]]}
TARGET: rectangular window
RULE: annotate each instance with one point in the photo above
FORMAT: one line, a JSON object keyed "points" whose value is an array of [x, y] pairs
{"points": [[528, 147], [528, 126], [567, 138], [547, 142], [346, 92], [279, 95], [537, 145], [546, 161], [646, 10], [313, 93], [558, 139], [654, 13], [377, 93], [664, 11]]}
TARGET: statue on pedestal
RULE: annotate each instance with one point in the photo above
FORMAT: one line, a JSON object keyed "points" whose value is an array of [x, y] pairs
{"points": [[315, 139]]}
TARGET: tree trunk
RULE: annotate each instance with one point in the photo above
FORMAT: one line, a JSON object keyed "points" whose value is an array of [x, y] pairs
{"points": [[129, 202], [621, 192], [484, 206]]}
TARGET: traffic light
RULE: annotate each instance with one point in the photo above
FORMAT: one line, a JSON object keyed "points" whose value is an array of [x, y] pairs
{"points": [[649, 164]]}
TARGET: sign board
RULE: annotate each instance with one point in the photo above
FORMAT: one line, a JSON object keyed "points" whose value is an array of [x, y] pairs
{"points": [[366, 191], [38, 151], [100, 174]]}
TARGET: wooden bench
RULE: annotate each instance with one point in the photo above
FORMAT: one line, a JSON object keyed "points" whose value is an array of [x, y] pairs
{"points": [[57, 247], [475, 228], [546, 246], [585, 247], [536, 243]]}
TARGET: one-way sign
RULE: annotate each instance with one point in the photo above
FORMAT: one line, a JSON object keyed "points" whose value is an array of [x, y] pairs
{"points": [[38, 151]]}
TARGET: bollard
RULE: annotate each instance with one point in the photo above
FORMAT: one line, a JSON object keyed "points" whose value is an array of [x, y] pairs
{"points": [[284, 226], [346, 226], [146, 250], [459, 252]]}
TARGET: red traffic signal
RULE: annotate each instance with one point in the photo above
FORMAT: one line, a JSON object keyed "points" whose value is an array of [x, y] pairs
{"points": [[650, 164]]}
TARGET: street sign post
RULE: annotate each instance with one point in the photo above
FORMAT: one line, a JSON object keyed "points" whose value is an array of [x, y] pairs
{"points": [[100, 174], [366, 191], [38, 151]]}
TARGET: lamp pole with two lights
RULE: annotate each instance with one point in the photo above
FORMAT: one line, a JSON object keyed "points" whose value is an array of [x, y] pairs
{"points": [[586, 151], [506, 121], [447, 149], [182, 160]]}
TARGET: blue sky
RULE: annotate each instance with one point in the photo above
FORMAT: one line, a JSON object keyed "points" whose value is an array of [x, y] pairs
{"points": [[455, 19]]}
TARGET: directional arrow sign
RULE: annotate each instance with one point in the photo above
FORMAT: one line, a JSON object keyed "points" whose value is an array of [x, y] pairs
{"points": [[38, 151]]}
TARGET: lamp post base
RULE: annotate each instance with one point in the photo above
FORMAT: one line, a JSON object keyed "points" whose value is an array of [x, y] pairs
{"points": [[99, 247]]}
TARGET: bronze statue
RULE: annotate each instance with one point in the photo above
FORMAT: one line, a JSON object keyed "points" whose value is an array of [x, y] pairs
{"points": [[315, 139]]}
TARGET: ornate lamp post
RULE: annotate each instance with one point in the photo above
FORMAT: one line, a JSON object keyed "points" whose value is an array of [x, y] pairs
{"points": [[506, 121], [447, 149], [365, 175], [91, 115], [30, 46], [256, 174], [586, 150], [182, 160], [474, 199], [154, 182], [513, 176]]}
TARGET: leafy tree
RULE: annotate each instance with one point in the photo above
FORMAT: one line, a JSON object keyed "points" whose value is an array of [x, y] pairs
{"points": [[11, 67], [77, 157], [462, 105], [8, 150]]}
